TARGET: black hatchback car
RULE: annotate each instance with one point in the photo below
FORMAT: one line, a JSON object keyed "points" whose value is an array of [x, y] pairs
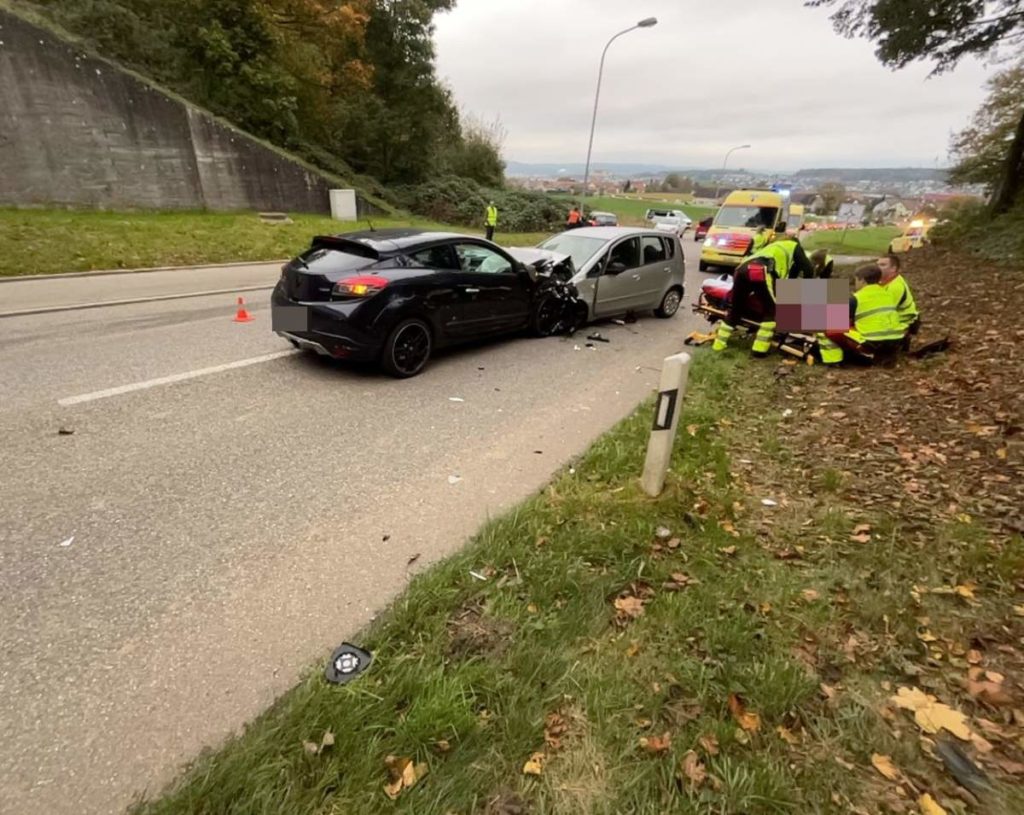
{"points": [[393, 296]]}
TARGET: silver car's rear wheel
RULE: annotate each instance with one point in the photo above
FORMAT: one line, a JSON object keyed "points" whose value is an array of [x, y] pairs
{"points": [[669, 304]]}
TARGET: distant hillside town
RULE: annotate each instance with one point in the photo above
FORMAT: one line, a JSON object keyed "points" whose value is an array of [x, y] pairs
{"points": [[881, 194]]}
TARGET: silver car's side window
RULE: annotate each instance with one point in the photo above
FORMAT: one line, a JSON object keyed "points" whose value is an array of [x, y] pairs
{"points": [[626, 252], [653, 250]]}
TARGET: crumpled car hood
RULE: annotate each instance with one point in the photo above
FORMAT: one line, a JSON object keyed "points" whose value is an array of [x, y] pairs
{"points": [[544, 262]]}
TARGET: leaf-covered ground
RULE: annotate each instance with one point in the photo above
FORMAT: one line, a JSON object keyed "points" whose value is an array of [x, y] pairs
{"points": [[823, 613]]}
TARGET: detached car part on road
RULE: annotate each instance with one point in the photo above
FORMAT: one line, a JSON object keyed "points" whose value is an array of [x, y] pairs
{"points": [[394, 296]]}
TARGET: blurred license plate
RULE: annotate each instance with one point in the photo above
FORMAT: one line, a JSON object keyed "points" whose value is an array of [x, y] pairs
{"points": [[290, 318]]}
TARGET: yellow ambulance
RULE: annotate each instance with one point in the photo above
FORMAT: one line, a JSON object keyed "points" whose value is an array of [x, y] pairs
{"points": [[745, 216]]}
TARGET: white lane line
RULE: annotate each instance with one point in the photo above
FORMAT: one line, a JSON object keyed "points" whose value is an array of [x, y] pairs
{"points": [[167, 380], [26, 312]]}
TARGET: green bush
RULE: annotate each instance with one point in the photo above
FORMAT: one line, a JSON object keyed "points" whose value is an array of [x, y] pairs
{"points": [[456, 200], [971, 228]]}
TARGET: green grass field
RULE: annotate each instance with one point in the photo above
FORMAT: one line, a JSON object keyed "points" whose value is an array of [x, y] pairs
{"points": [[54, 241], [867, 241], [602, 666]]}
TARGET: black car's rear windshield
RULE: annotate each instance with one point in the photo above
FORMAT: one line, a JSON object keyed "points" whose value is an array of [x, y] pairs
{"points": [[324, 260]]}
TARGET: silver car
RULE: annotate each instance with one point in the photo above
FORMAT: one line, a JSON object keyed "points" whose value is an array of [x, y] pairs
{"points": [[621, 269]]}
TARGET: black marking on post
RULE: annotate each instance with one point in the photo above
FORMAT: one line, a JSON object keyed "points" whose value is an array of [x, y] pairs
{"points": [[667, 406]]}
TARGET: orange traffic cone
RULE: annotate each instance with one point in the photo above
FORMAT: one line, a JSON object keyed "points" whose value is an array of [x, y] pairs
{"points": [[242, 315]]}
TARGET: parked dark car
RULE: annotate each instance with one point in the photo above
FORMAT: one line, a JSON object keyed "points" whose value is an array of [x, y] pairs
{"points": [[394, 296], [703, 226]]}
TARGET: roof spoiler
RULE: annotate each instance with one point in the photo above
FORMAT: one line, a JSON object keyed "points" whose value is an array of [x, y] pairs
{"points": [[343, 244]]}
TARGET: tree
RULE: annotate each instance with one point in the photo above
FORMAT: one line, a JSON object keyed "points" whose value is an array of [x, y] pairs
{"points": [[832, 194], [980, 148], [943, 31]]}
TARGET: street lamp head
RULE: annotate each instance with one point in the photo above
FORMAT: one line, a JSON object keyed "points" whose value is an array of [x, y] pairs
{"points": [[647, 22]]}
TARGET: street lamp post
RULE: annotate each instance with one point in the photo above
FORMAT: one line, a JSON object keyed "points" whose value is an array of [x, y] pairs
{"points": [[645, 23], [729, 153]]}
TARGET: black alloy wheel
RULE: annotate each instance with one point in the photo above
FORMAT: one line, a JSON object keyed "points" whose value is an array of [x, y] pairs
{"points": [[407, 349], [547, 315]]}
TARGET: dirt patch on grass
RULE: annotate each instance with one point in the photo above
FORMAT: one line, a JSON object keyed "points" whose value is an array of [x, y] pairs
{"points": [[474, 633]]}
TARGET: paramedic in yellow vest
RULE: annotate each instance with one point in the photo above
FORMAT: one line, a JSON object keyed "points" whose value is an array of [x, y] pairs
{"points": [[875, 330], [492, 220], [755, 278], [824, 264], [896, 284]]}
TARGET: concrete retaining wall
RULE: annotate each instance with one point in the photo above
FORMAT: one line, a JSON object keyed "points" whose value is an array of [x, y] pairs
{"points": [[79, 131]]}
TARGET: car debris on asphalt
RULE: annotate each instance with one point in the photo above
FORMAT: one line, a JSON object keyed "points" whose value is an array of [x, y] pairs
{"points": [[598, 337], [454, 479], [68, 542]]}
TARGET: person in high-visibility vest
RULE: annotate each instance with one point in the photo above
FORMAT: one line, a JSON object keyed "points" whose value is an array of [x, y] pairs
{"points": [[575, 218], [875, 330], [755, 277], [823, 263], [896, 284], [492, 220]]}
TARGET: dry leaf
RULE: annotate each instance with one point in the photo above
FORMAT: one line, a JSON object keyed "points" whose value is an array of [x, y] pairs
{"points": [[710, 744], [692, 429], [693, 769], [809, 595], [861, 528], [535, 765], [656, 745], [927, 636], [990, 692], [966, 590], [1007, 766], [787, 735], [994, 676], [863, 537], [747, 720], [443, 746], [1019, 611], [930, 714], [974, 657], [885, 766], [629, 607], [728, 551], [981, 744], [929, 806], [532, 608], [555, 726], [402, 774], [633, 650]]}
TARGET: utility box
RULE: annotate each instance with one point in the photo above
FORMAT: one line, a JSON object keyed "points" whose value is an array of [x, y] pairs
{"points": [[343, 205]]}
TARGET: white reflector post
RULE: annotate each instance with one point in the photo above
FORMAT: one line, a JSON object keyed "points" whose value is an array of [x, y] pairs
{"points": [[674, 373]]}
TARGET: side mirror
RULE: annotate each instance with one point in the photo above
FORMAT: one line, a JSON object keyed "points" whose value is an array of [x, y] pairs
{"points": [[615, 267]]}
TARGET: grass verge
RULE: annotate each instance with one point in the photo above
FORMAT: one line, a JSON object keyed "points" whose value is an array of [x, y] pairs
{"points": [[631, 211], [42, 241], [698, 653], [868, 241]]}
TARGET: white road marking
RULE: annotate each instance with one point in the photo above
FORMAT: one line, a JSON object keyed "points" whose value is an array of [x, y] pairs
{"points": [[167, 380]]}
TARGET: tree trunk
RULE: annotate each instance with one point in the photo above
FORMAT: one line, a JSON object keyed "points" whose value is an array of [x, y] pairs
{"points": [[1013, 173]]}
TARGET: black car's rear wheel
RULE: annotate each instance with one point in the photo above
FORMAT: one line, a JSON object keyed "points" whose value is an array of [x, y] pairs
{"points": [[408, 348]]}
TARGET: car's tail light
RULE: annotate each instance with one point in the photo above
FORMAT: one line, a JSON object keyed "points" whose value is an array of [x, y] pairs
{"points": [[360, 286], [756, 272]]}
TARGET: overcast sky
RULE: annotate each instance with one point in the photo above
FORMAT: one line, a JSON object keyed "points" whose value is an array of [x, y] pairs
{"points": [[709, 76]]}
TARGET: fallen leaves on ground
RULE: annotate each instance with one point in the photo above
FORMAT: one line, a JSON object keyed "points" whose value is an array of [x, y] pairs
{"points": [[929, 806], [403, 774], [629, 608], [555, 728], [710, 744], [930, 714], [656, 745], [693, 770], [535, 764], [748, 720], [885, 766]]}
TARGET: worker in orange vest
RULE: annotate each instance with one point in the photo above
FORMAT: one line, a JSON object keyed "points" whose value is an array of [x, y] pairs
{"points": [[575, 218]]}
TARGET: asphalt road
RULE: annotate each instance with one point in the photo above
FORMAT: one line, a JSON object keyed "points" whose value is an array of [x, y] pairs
{"points": [[172, 565]]}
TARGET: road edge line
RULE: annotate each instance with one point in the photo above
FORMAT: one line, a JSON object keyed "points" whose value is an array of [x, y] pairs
{"points": [[26, 312]]}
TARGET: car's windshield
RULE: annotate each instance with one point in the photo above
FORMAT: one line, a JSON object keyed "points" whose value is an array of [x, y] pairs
{"points": [[579, 247], [750, 217]]}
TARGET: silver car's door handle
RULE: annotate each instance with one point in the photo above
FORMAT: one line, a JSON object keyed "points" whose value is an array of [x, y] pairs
{"points": [[636, 277], [470, 290], [667, 269]]}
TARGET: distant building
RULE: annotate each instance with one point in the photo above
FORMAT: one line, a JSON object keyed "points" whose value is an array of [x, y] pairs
{"points": [[890, 210]]}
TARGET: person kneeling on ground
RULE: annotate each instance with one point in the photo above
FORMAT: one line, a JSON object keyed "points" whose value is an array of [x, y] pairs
{"points": [[875, 331], [755, 278], [823, 264], [896, 284]]}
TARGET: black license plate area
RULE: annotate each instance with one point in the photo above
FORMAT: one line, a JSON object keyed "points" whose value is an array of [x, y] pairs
{"points": [[290, 318]]}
